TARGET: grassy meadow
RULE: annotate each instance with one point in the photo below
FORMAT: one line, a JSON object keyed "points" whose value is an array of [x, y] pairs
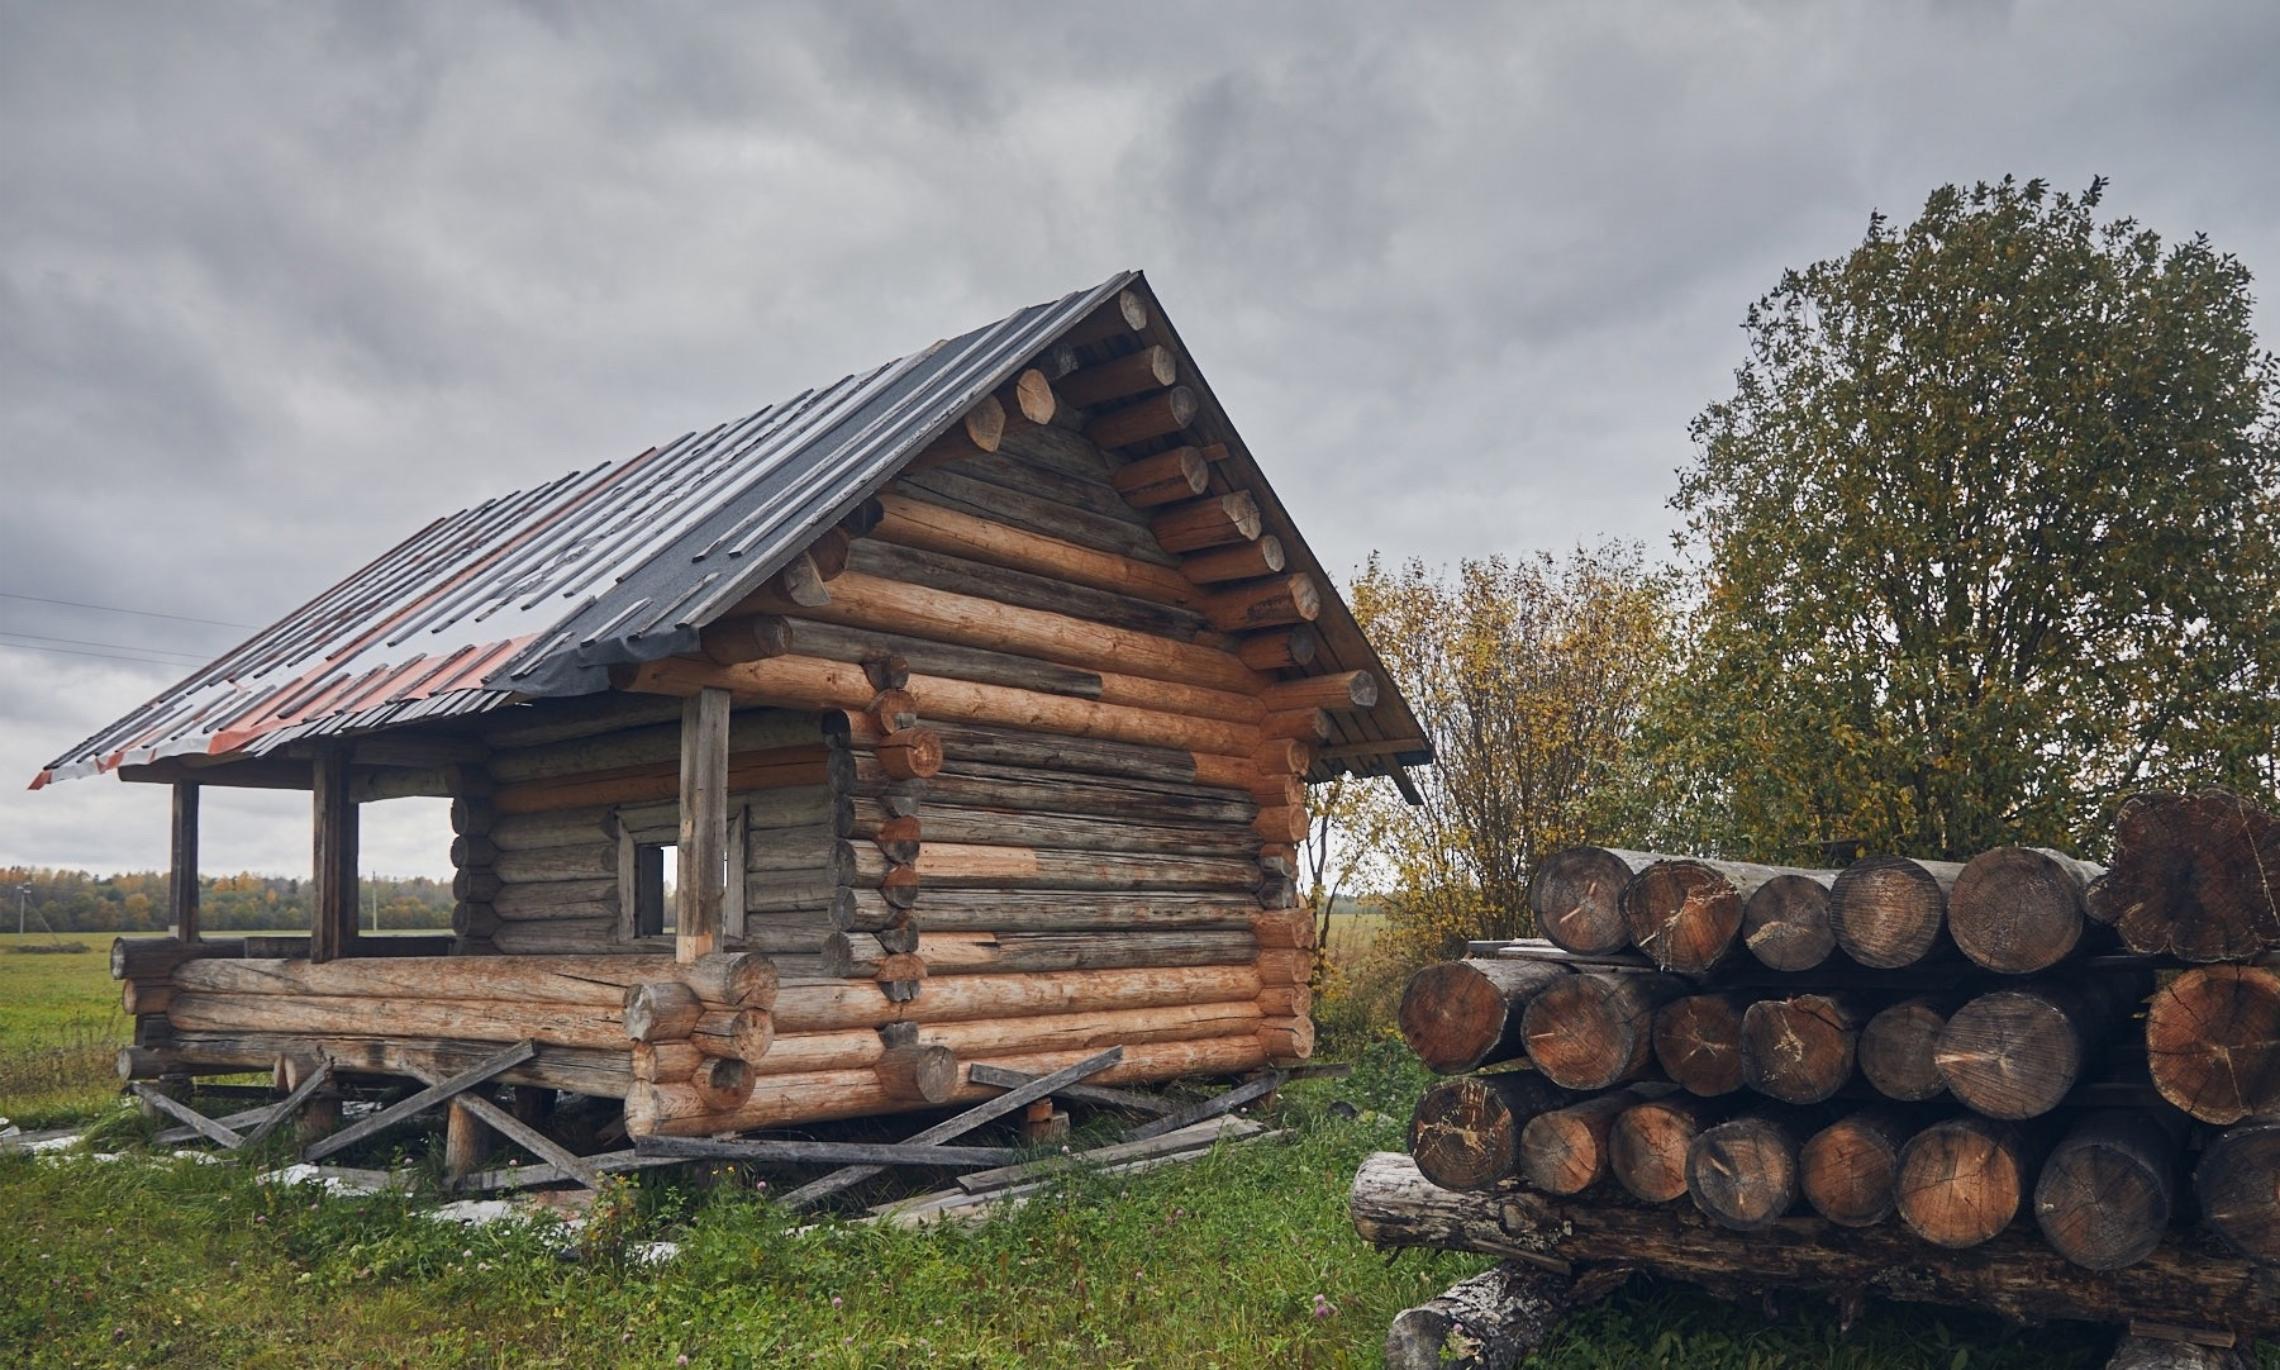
{"points": [[1242, 1259]]}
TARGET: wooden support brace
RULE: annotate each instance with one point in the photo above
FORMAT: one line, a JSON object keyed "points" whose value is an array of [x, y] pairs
{"points": [[290, 1105], [427, 1098], [528, 1138], [959, 1125], [1226, 1102], [182, 1112]]}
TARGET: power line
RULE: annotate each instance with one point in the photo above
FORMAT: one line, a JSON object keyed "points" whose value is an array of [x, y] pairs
{"points": [[114, 609], [192, 657], [107, 656]]}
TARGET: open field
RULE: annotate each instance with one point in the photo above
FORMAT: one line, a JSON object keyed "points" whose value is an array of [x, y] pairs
{"points": [[1215, 1263]]}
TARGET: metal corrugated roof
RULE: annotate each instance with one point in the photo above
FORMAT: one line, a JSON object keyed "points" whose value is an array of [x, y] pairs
{"points": [[539, 592]]}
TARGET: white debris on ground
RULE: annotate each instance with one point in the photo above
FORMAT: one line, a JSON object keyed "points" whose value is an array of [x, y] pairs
{"points": [[338, 1181]]}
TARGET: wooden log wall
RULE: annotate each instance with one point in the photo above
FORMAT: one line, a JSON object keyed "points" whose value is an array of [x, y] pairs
{"points": [[1120, 673]]}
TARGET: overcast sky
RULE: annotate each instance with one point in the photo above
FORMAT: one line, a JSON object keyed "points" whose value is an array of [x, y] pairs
{"points": [[278, 284]]}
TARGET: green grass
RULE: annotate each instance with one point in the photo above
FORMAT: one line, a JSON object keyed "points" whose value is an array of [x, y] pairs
{"points": [[1214, 1263], [60, 1027]]}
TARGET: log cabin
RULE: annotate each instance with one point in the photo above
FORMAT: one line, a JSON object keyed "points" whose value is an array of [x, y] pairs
{"points": [[970, 703]]}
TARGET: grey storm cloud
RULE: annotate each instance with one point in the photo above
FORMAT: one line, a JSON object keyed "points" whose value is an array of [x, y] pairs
{"points": [[280, 283]]}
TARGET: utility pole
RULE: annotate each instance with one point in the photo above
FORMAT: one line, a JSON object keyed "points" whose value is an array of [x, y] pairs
{"points": [[23, 898]]}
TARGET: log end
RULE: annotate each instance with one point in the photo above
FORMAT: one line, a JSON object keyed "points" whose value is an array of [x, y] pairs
{"points": [[1683, 914], [1576, 894], [1886, 911], [2015, 910]]}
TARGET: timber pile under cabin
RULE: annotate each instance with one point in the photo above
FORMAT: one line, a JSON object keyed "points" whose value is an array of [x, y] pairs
{"points": [[972, 700]]}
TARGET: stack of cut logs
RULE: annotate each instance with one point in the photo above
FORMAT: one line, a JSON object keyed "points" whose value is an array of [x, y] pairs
{"points": [[1938, 1049]]}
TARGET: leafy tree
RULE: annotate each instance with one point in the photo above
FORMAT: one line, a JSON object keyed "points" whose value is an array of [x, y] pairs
{"points": [[1989, 534], [1530, 677]]}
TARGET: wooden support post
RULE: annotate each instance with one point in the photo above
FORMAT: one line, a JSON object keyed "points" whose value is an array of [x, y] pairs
{"points": [[466, 1143], [332, 930], [704, 825], [182, 877]]}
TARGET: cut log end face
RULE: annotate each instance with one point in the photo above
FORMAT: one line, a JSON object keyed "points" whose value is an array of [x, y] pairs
{"points": [[1850, 1174], [1464, 1135], [2194, 875], [1697, 1042], [1887, 912], [1896, 1051], [1742, 1174], [2016, 910], [1559, 1155], [1959, 1185], [1647, 1149], [1785, 923], [1684, 915], [2009, 1055], [1577, 897], [1799, 1050], [2212, 1040], [1578, 1036], [2101, 1207], [1451, 1015], [2238, 1190]]}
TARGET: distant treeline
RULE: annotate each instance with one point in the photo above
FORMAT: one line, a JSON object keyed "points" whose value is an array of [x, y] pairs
{"points": [[76, 901]]}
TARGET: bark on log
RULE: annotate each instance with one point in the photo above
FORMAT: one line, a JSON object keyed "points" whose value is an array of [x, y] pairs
{"points": [[1785, 921], [2107, 1190], [1686, 913], [1594, 1031], [1576, 894], [2019, 909], [601, 1073], [1963, 1180], [2212, 1041], [1458, 1016], [1568, 1150], [1850, 1170], [2015, 1053], [2016, 1276], [2194, 876], [1801, 1050], [2238, 1196], [1899, 1046], [1889, 911], [1698, 1042], [1491, 1321], [1647, 1149], [1465, 1132]]}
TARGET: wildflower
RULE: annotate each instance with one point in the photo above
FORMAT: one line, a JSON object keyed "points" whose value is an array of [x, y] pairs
{"points": [[1323, 1308], [835, 1301]]}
